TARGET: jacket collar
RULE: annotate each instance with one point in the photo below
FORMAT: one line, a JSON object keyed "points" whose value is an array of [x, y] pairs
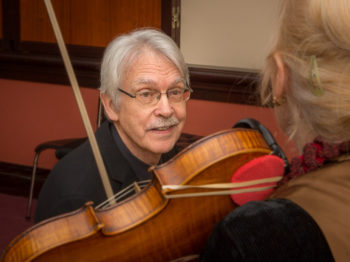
{"points": [[118, 169]]}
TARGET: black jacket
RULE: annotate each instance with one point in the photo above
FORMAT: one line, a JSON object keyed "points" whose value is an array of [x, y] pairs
{"points": [[75, 179]]}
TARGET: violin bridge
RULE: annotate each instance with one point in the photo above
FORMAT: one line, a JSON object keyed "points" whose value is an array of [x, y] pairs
{"points": [[137, 187]]}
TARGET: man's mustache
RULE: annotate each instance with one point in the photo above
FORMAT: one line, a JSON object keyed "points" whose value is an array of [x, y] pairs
{"points": [[163, 123]]}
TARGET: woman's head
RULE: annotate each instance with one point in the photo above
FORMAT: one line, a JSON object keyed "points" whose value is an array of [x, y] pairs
{"points": [[313, 44]]}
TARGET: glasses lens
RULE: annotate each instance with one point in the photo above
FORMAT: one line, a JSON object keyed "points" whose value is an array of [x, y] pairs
{"points": [[147, 96], [176, 94]]}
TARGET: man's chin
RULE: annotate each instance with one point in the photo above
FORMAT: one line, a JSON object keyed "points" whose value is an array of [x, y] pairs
{"points": [[162, 145], [161, 148]]}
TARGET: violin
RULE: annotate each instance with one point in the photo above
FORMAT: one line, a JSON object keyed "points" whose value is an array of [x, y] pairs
{"points": [[156, 223]]}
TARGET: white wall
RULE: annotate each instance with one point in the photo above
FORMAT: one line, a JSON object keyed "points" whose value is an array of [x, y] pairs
{"points": [[229, 33]]}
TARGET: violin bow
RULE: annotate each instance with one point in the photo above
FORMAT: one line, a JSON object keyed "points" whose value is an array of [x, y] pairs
{"points": [[74, 83], [234, 188]]}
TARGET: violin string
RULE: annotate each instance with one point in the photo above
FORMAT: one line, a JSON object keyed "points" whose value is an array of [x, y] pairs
{"points": [[143, 183], [122, 193], [193, 257]]}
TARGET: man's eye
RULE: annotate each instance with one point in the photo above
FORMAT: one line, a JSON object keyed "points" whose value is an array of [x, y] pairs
{"points": [[146, 94], [175, 91]]}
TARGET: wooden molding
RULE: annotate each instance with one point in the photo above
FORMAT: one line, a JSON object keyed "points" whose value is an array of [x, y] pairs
{"points": [[48, 69], [15, 179], [228, 85]]}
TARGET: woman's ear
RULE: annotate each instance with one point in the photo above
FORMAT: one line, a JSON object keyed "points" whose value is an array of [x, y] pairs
{"points": [[109, 107], [279, 83]]}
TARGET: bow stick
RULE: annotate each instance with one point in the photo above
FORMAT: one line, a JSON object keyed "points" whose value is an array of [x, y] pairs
{"points": [[74, 83]]}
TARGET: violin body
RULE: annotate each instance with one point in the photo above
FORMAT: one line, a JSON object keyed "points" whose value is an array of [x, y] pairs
{"points": [[148, 226]]}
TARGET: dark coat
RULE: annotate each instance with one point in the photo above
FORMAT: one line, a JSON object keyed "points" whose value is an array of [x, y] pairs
{"points": [[273, 230], [75, 179]]}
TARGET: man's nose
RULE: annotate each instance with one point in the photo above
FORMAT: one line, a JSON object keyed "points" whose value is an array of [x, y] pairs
{"points": [[164, 106]]}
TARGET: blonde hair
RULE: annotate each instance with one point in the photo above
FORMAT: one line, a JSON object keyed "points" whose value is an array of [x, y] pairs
{"points": [[319, 28]]}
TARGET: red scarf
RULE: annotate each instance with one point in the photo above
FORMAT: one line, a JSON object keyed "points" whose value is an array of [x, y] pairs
{"points": [[315, 155]]}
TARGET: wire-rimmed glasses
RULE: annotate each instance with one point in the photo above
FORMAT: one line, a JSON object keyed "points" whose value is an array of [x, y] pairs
{"points": [[152, 96]]}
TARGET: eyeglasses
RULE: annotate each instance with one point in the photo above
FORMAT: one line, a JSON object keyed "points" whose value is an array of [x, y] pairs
{"points": [[152, 96]]}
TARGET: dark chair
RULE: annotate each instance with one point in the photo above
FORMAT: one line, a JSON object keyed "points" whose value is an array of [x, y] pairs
{"points": [[61, 147]]}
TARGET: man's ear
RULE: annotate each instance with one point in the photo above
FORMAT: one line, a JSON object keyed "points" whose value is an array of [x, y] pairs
{"points": [[109, 107], [279, 83]]}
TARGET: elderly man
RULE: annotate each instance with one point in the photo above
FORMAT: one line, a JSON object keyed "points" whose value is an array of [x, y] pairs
{"points": [[144, 89]]}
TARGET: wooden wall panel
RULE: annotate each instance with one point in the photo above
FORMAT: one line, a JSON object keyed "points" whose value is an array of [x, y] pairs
{"points": [[0, 18], [35, 24], [128, 14], [87, 22]]}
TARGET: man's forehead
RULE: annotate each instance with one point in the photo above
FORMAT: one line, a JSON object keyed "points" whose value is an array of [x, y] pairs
{"points": [[149, 81]]}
